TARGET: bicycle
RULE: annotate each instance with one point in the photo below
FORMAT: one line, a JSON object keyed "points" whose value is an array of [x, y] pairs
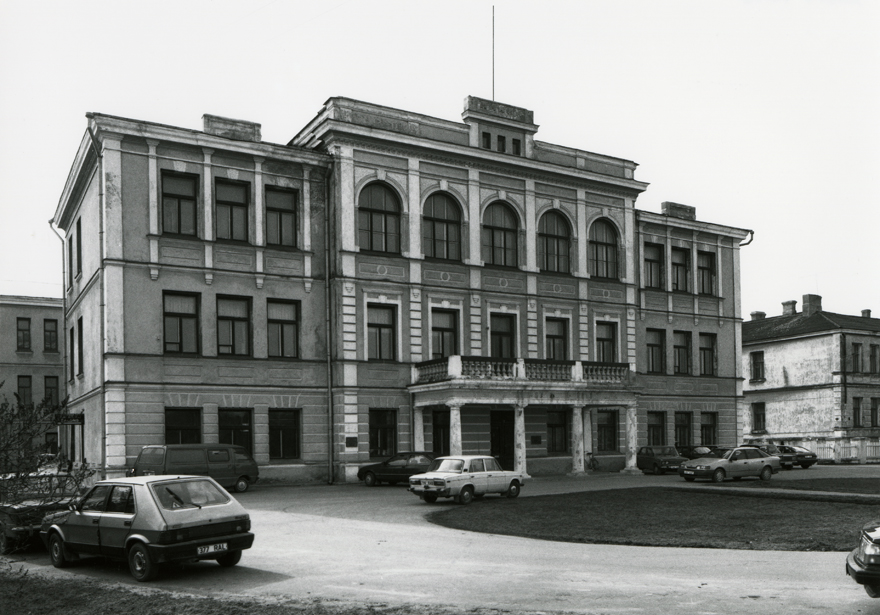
{"points": [[590, 462]]}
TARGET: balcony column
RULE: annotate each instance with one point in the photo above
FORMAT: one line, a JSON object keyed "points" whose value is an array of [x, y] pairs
{"points": [[418, 430], [631, 444], [519, 439], [587, 416], [577, 440], [455, 430]]}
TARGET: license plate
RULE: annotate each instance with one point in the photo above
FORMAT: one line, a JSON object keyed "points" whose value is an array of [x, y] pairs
{"points": [[212, 548], [688, 471]]}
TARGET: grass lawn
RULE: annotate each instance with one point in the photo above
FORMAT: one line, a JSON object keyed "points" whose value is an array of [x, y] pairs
{"points": [[669, 517], [847, 485]]}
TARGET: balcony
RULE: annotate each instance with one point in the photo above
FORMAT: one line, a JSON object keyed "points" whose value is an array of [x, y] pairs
{"points": [[519, 371]]}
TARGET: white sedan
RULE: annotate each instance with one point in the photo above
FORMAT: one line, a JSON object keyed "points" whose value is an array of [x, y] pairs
{"points": [[465, 477]]}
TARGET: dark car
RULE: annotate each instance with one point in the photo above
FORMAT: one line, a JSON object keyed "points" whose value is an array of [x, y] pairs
{"points": [[658, 459], [148, 521], [803, 457], [395, 470], [863, 563], [35, 495], [786, 460], [696, 452]]}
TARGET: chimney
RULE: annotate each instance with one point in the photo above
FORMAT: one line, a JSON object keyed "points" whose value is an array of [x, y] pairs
{"points": [[758, 315], [866, 313], [239, 130], [677, 210], [789, 308], [812, 304]]}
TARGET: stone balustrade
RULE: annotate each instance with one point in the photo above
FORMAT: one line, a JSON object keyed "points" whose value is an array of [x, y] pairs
{"points": [[536, 370]]}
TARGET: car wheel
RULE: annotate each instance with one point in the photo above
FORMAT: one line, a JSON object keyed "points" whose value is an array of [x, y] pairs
{"points": [[690, 479], [806, 466], [241, 485], [788, 467], [513, 490], [370, 479], [873, 590], [766, 473], [466, 495], [430, 498], [58, 552], [230, 559], [140, 565], [718, 476]]}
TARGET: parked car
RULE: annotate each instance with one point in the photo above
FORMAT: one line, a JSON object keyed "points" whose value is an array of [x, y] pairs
{"points": [[732, 463], [149, 521], [658, 459], [803, 457], [42, 493], [396, 469], [465, 477], [230, 465], [786, 460], [695, 452], [863, 563]]}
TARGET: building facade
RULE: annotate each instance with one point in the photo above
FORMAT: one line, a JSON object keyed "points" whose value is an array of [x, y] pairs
{"points": [[390, 281], [814, 380], [31, 354]]}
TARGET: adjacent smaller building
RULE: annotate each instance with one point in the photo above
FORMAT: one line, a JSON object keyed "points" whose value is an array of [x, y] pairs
{"points": [[813, 379], [32, 352]]}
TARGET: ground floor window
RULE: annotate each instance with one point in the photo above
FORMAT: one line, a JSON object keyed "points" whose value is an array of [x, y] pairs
{"points": [[606, 430], [383, 432], [683, 429], [708, 429], [440, 427], [284, 433], [183, 425], [236, 428], [656, 429], [557, 432]]}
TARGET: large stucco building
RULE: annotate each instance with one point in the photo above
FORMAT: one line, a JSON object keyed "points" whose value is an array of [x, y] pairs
{"points": [[813, 379], [389, 281]]}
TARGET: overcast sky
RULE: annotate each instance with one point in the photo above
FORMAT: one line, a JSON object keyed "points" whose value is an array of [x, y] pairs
{"points": [[762, 114]]}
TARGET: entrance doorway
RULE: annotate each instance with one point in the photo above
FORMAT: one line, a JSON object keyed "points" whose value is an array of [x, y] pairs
{"points": [[440, 428], [501, 437]]}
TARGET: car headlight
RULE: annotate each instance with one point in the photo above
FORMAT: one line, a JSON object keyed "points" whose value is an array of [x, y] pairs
{"points": [[869, 553], [702, 467], [439, 483]]}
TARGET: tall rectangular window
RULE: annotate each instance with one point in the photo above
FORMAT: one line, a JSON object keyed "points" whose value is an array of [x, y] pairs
{"points": [[179, 194], [283, 329], [708, 428], [50, 335], [284, 433], [708, 354], [857, 358], [656, 428], [280, 217], [23, 333], [875, 412], [183, 426], [606, 430], [80, 353], [654, 257], [181, 323], [681, 269], [444, 333], [51, 390], [857, 412], [655, 340], [502, 334], [681, 352], [71, 351], [558, 439], [606, 342], [236, 427], [516, 145], [683, 428], [759, 417], [756, 361], [875, 358], [232, 210], [706, 273], [79, 247], [502, 143], [383, 432], [381, 332], [70, 262], [556, 339], [25, 390], [487, 140], [233, 326]]}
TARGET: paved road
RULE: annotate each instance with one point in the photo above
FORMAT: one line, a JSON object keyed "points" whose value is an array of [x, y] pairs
{"points": [[349, 543]]}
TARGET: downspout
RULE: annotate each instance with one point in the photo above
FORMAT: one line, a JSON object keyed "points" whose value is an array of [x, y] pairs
{"points": [[62, 334], [103, 413], [843, 393], [328, 325]]}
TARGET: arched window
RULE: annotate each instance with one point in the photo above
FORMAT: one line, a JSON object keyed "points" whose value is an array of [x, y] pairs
{"points": [[603, 250], [554, 243], [441, 228], [499, 235], [379, 219]]}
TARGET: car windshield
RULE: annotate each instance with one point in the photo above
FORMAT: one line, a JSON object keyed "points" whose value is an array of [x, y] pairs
{"points": [[176, 495], [800, 449], [446, 465], [724, 453], [666, 451]]}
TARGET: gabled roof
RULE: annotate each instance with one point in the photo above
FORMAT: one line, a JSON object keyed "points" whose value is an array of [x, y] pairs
{"points": [[802, 324]]}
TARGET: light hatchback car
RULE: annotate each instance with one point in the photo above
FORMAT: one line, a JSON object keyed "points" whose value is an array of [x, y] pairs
{"points": [[148, 521], [734, 463], [465, 477], [863, 563]]}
